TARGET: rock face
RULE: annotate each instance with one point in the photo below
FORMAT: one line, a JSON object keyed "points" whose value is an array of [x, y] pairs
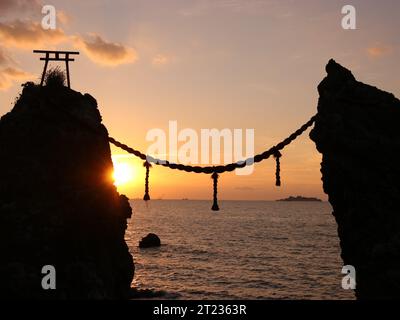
{"points": [[58, 204], [149, 241], [357, 132]]}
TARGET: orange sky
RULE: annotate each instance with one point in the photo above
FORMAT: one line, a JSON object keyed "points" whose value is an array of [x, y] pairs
{"points": [[206, 64]]}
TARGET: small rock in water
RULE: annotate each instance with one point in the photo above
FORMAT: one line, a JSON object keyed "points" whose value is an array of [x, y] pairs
{"points": [[149, 241]]}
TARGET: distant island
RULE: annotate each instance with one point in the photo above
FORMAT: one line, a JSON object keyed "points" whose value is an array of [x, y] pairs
{"points": [[300, 198]]}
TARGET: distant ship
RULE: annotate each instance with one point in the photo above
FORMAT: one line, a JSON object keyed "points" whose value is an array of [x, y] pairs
{"points": [[300, 198]]}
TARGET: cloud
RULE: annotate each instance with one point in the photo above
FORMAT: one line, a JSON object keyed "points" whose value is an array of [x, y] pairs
{"points": [[379, 51], [160, 60], [5, 59], [105, 53], [15, 73], [28, 34], [7, 6], [10, 74], [62, 17]]}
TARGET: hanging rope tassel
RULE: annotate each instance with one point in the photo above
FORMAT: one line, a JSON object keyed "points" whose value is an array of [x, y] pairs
{"points": [[147, 165], [277, 156], [215, 176]]}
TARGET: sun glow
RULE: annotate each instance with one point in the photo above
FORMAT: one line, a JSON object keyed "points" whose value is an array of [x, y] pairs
{"points": [[123, 173]]}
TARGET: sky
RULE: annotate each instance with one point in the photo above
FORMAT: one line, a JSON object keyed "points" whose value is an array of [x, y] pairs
{"points": [[236, 64]]}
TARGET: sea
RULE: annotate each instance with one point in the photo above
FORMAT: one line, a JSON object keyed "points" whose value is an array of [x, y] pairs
{"points": [[247, 250]]}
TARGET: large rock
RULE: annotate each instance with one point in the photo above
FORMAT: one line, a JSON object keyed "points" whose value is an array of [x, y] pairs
{"points": [[357, 132], [58, 204]]}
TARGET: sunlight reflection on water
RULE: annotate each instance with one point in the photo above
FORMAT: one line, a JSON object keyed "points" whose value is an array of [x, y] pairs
{"points": [[248, 250]]}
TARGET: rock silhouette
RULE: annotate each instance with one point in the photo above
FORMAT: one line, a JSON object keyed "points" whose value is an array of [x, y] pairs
{"points": [[149, 241], [357, 133], [58, 204]]}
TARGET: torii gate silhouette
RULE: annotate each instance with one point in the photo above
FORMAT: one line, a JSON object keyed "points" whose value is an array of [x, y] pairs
{"points": [[56, 57]]}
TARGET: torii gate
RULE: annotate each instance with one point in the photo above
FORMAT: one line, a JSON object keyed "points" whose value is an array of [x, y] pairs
{"points": [[56, 57]]}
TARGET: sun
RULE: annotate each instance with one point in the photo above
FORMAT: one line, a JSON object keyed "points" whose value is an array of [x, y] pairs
{"points": [[123, 173]]}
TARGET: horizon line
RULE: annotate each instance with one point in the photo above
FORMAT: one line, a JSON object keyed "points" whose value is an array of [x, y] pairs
{"points": [[263, 200]]}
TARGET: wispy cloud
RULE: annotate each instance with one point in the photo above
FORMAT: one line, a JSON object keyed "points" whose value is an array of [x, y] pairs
{"points": [[379, 51], [10, 74], [5, 59], [105, 52], [28, 34], [7, 6], [9, 71], [63, 17]]}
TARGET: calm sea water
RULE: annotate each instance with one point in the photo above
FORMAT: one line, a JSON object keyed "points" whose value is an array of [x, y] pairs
{"points": [[248, 250]]}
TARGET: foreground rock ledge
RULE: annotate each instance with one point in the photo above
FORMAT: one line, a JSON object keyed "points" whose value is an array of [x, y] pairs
{"points": [[58, 205], [357, 132]]}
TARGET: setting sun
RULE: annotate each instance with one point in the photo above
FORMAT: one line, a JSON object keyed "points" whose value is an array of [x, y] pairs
{"points": [[123, 173]]}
